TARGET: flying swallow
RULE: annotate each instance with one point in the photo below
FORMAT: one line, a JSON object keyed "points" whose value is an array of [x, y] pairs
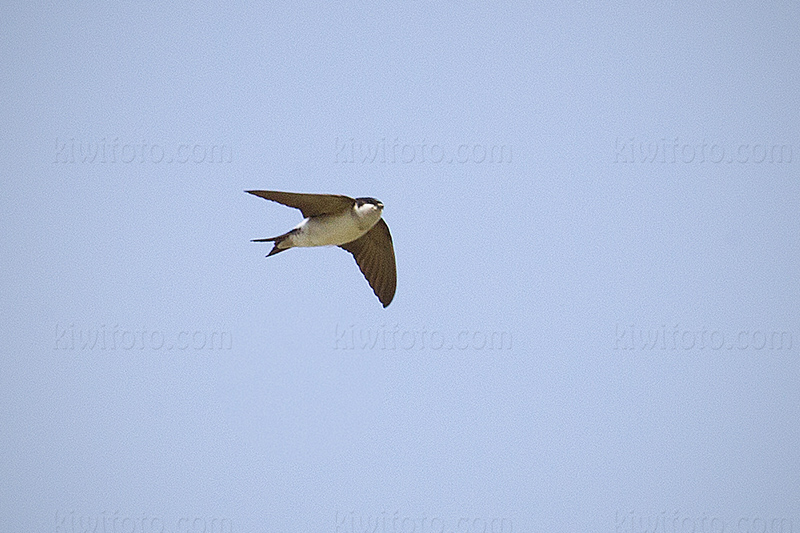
{"points": [[354, 224]]}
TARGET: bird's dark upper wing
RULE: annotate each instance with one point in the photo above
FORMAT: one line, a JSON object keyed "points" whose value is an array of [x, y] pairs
{"points": [[374, 254], [309, 204]]}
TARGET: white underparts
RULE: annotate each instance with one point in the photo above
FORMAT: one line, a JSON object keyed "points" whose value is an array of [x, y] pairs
{"points": [[327, 230]]}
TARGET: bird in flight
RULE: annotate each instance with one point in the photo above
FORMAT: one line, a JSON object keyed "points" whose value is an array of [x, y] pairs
{"points": [[354, 224]]}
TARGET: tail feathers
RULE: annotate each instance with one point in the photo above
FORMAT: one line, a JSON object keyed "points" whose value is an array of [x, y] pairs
{"points": [[277, 240], [276, 250]]}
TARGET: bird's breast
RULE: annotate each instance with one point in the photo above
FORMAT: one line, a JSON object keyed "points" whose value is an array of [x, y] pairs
{"points": [[327, 230]]}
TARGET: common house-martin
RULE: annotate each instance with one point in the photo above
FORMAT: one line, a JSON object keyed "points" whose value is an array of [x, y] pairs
{"points": [[354, 224]]}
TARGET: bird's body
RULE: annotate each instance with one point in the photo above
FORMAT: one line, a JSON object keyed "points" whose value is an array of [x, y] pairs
{"points": [[354, 224], [333, 229]]}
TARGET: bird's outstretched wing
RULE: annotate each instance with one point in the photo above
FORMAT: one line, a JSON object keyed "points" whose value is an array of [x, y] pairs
{"points": [[309, 204], [374, 254]]}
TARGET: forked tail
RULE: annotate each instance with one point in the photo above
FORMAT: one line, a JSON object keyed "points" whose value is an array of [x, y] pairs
{"points": [[277, 240]]}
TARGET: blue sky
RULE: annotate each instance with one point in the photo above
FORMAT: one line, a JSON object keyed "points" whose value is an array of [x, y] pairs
{"points": [[595, 216]]}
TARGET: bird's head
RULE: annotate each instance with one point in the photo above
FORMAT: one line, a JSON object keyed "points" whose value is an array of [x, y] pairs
{"points": [[369, 209], [366, 205], [369, 201]]}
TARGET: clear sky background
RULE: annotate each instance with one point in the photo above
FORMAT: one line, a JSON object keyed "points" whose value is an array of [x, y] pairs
{"points": [[595, 216]]}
